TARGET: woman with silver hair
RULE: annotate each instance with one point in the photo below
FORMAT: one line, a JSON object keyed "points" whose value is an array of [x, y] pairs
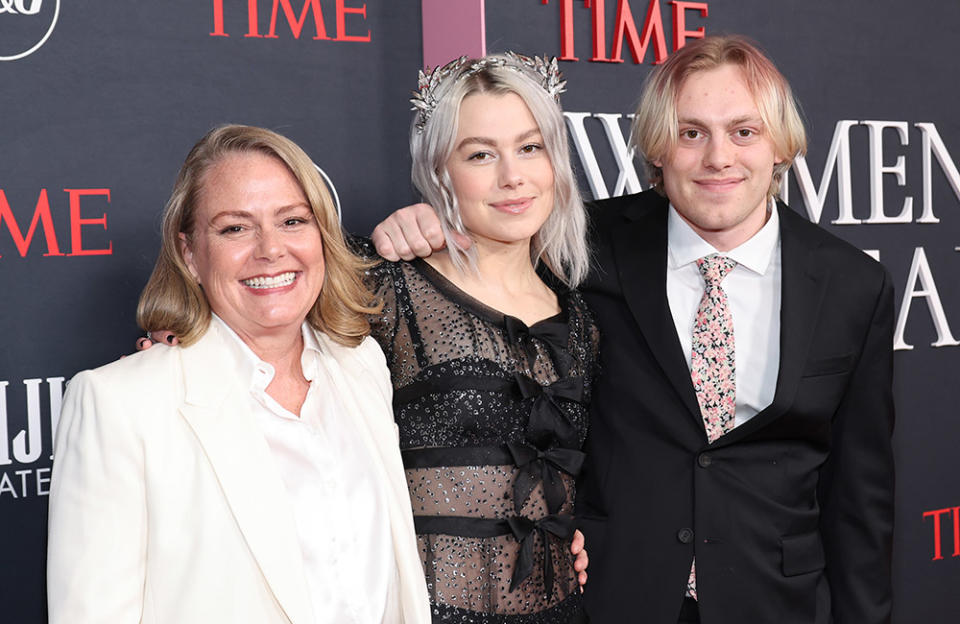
{"points": [[491, 352]]}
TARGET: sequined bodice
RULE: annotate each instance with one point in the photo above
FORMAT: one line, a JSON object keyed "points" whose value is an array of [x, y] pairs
{"points": [[492, 415]]}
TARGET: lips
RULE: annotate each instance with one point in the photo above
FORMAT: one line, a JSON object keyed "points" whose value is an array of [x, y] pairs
{"points": [[263, 282], [513, 206], [719, 184]]}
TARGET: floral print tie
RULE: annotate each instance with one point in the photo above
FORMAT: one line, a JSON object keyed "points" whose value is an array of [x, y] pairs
{"points": [[712, 359], [712, 354]]}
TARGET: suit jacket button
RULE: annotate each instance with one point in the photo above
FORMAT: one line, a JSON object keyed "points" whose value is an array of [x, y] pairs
{"points": [[685, 535], [704, 460]]}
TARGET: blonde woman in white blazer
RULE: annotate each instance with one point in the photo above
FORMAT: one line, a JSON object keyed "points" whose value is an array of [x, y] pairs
{"points": [[252, 474]]}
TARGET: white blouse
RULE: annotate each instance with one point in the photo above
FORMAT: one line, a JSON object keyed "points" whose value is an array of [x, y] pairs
{"points": [[339, 506]]}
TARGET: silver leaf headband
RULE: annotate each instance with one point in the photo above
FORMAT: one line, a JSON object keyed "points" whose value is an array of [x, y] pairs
{"points": [[544, 70]]}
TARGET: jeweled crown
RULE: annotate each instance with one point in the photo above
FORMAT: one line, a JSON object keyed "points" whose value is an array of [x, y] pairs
{"points": [[424, 100]]}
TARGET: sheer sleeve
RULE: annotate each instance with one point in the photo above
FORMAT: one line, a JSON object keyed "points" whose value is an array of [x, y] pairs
{"points": [[381, 279]]}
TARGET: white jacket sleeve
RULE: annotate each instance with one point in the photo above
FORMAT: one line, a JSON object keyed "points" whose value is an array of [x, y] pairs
{"points": [[96, 557]]}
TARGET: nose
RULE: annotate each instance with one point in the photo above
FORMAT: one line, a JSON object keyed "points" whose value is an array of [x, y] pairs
{"points": [[270, 245], [719, 153], [510, 172]]}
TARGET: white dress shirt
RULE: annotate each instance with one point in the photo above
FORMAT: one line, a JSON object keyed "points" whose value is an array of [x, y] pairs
{"points": [[339, 507], [753, 295]]}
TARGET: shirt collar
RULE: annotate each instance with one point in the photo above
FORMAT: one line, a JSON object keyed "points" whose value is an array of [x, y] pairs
{"points": [[684, 245], [310, 359], [258, 373]]}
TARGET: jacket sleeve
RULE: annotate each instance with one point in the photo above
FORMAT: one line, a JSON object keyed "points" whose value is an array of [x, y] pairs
{"points": [[97, 518], [856, 488]]}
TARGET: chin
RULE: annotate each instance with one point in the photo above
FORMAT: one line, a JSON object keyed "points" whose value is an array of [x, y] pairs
{"points": [[281, 321]]}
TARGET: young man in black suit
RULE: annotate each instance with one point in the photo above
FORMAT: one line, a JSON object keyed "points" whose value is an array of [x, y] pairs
{"points": [[739, 464]]}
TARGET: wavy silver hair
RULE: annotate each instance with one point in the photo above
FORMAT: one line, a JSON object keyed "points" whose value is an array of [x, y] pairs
{"points": [[561, 243]]}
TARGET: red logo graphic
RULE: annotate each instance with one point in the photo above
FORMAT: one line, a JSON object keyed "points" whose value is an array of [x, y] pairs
{"points": [[296, 22], [44, 218], [953, 516], [638, 40]]}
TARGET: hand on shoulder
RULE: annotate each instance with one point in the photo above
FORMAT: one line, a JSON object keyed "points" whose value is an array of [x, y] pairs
{"points": [[161, 336]]}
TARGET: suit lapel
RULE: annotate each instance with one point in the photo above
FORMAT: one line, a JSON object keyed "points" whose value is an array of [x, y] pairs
{"points": [[803, 284], [245, 469], [640, 250]]}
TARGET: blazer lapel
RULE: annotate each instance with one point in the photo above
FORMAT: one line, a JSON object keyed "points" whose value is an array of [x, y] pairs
{"points": [[640, 249], [359, 397], [803, 284], [245, 469], [362, 400]]}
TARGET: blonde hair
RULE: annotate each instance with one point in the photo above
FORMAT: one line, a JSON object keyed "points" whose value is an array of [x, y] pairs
{"points": [[561, 240], [656, 129], [173, 300]]}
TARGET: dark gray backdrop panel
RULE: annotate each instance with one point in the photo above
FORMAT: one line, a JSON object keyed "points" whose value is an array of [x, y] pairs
{"points": [[118, 94]]}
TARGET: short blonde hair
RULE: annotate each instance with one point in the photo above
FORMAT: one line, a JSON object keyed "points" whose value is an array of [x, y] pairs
{"points": [[173, 300], [655, 126]]}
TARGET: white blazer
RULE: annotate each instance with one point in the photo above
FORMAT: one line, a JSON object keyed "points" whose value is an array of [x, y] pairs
{"points": [[166, 506]]}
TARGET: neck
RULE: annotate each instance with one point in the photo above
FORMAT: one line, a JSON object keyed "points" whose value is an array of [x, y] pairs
{"points": [[280, 348], [505, 281], [725, 240], [507, 265]]}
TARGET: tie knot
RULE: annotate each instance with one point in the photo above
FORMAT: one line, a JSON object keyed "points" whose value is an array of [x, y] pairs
{"points": [[714, 268]]}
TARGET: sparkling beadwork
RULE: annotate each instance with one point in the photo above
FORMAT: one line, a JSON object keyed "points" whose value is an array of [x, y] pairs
{"points": [[443, 340]]}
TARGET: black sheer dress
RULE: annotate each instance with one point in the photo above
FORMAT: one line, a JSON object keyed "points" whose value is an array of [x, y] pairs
{"points": [[492, 415]]}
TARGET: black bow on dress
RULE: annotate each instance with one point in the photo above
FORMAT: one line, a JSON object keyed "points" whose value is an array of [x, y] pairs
{"points": [[548, 420], [554, 333], [536, 465], [523, 528]]}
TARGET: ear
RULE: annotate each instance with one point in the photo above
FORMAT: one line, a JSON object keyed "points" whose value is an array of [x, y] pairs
{"points": [[187, 254]]}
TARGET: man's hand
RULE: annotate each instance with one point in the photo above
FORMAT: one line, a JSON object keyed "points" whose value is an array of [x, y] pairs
{"points": [[580, 563], [411, 232]]}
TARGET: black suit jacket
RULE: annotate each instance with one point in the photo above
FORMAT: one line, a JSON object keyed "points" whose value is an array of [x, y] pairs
{"points": [[790, 515]]}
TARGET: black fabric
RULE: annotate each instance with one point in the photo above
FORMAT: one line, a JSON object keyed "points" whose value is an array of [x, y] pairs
{"points": [[791, 518], [523, 530], [689, 612], [492, 415]]}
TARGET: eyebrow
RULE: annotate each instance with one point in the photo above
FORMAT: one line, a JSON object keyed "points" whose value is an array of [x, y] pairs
{"points": [[736, 121], [243, 214], [488, 141]]}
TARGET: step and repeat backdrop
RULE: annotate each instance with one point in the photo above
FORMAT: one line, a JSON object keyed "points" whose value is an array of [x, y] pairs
{"points": [[101, 102]]}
